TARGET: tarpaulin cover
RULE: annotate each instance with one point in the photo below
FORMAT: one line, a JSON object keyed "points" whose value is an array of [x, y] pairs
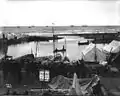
{"points": [[60, 82], [74, 85]]}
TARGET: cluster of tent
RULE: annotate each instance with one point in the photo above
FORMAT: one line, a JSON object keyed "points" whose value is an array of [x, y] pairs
{"points": [[59, 65], [96, 52]]}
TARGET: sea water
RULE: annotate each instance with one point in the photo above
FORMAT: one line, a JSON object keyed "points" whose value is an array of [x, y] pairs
{"points": [[74, 51]]}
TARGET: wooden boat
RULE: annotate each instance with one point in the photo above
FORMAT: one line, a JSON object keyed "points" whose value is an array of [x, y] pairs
{"points": [[83, 43], [59, 50]]}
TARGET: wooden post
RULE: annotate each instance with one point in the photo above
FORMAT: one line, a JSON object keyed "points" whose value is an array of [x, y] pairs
{"points": [[95, 51], [1, 78]]}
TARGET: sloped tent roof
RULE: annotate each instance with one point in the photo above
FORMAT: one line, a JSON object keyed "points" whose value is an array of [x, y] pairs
{"points": [[113, 47], [91, 51]]}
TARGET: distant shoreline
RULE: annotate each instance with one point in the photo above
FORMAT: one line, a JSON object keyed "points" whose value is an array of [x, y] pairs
{"points": [[27, 39]]}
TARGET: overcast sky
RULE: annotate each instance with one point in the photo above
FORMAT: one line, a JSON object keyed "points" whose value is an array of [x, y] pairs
{"points": [[38, 13]]}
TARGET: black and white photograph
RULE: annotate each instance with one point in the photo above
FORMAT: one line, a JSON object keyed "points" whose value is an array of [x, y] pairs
{"points": [[60, 47]]}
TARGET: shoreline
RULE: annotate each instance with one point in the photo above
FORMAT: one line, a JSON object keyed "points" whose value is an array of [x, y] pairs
{"points": [[27, 39]]}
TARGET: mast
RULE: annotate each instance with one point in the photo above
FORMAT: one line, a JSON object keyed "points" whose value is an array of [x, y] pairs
{"points": [[36, 49], [53, 39], [65, 46], [31, 51]]}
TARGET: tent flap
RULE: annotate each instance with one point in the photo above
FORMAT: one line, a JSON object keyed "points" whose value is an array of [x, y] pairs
{"points": [[93, 53], [113, 47]]}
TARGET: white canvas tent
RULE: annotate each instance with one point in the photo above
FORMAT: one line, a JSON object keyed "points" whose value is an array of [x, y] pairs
{"points": [[113, 47], [1, 35], [93, 53]]}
